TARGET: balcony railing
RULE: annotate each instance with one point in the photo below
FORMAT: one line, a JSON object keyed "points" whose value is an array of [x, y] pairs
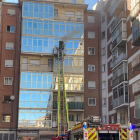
{"points": [[120, 100], [136, 61], [70, 69], [121, 57], [71, 105], [66, 1], [121, 36], [115, 5], [120, 79], [68, 17], [135, 9], [136, 87], [33, 67], [122, 15], [137, 113]]}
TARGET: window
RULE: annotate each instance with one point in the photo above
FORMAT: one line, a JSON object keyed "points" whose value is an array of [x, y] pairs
{"points": [[103, 51], [103, 68], [78, 118], [50, 62], [91, 102], [103, 85], [91, 84], [55, 12], [110, 47], [9, 45], [91, 19], [71, 117], [91, 51], [132, 46], [8, 80], [34, 62], [91, 34], [104, 101], [91, 67], [111, 64], [112, 119], [6, 99], [103, 35], [6, 118], [78, 98], [70, 99], [104, 119], [8, 63], [11, 12], [70, 14], [110, 82], [103, 18], [10, 29]]}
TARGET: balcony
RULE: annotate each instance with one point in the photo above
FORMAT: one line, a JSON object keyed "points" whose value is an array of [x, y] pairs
{"points": [[120, 101], [136, 87], [137, 113], [119, 79], [117, 4], [117, 20], [71, 105], [119, 40], [135, 10], [33, 67], [136, 63], [121, 57], [72, 18]]}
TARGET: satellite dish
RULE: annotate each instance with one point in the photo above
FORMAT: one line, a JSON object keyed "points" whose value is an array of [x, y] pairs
{"points": [[12, 97]]}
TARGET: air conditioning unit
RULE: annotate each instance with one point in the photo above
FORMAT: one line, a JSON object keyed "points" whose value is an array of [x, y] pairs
{"points": [[79, 19]]}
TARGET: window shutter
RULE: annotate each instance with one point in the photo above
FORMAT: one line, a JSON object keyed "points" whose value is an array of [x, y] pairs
{"points": [[9, 45], [35, 62], [11, 12], [70, 13], [91, 19], [8, 63], [91, 34]]}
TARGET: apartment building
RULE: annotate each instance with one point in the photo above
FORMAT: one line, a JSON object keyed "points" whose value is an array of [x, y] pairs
{"points": [[92, 64], [121, 29], [9, 69], [44, 24]]}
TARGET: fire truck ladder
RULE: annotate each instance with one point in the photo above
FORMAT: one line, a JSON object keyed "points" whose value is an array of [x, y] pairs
{"points": [[63, 118]]}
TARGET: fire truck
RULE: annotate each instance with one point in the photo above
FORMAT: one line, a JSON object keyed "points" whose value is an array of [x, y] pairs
{"points": [[92, 129]]}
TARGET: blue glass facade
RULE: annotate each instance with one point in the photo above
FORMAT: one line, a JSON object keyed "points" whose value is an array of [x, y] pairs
{"points": [[52, 28], [37, 10], [46, 45], [30, 80], [40, 36]]}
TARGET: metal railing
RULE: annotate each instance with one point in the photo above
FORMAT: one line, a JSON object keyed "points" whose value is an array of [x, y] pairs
{"points": [[135, 9], [71, 69], [121, 36], [68, 17], [34, 67], [120, 100], [121, 57], [136, 87], [122, 121], [114, 5], [121, 15], [66, 1], [71, 105], [136, 61], [119, 79]]}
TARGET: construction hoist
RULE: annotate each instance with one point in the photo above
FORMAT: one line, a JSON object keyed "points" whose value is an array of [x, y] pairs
{"points": [[62, 105]]}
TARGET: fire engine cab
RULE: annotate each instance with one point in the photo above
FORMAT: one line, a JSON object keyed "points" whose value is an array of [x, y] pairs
{"points": [[92, 129]]}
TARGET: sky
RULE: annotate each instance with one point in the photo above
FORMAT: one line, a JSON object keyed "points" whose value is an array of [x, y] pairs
{"points": [[89, 2]]}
